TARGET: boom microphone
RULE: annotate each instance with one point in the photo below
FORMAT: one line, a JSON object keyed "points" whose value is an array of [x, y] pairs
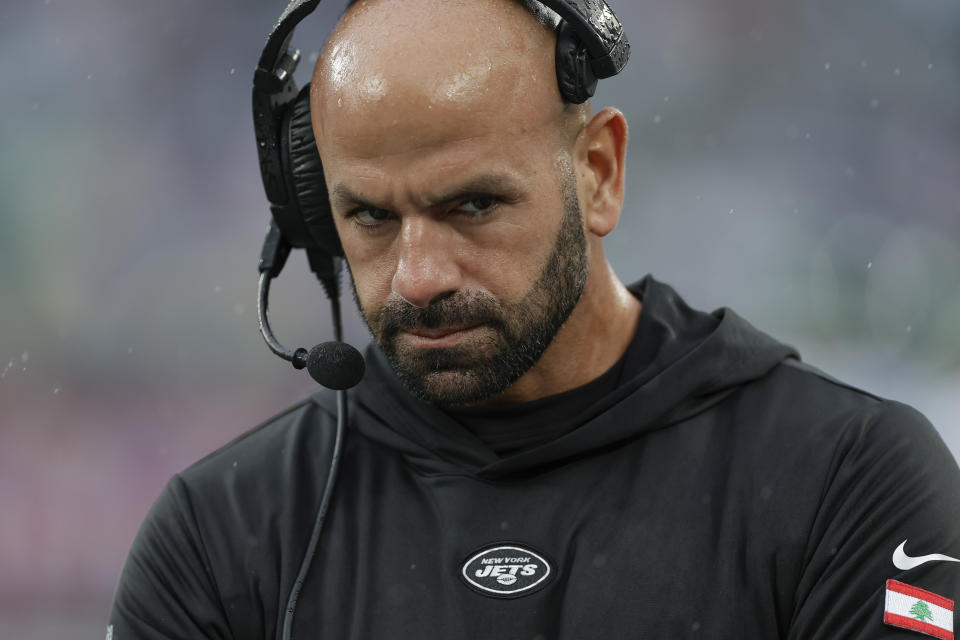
{"points": [[335, 365]]}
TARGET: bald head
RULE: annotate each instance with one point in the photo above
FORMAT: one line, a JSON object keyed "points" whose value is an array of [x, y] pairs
{"points": [[389, 61], [540, 12]]}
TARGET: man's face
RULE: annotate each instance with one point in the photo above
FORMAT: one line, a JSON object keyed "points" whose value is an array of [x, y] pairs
{"points": [[453, 195], [510, 335]]}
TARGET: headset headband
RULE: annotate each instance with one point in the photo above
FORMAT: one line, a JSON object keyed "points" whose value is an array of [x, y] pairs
{"points": [[274, 67]]}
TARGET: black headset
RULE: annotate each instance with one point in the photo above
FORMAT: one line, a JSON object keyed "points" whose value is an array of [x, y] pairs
{"points": [[591, 45]]}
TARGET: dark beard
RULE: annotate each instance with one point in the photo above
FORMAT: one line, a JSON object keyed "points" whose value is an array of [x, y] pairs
{"points": [[514, 337]]}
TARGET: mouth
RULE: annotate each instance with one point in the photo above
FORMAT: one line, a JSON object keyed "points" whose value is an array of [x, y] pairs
{"points": [[441, 337]]}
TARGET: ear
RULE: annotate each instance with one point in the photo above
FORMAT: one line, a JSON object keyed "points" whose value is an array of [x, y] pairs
{"points": [[600, 153]]}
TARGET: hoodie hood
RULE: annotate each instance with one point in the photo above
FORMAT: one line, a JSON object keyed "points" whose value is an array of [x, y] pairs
{"points": [[698, 359]]}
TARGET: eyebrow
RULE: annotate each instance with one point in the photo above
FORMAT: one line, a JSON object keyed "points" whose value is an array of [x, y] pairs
{"points": [[503, 185]]}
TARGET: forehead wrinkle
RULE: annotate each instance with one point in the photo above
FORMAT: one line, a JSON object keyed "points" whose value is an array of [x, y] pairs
{"points": [[367, 146]]}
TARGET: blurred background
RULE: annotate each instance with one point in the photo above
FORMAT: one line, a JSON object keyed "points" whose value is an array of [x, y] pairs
{"points": [[797, 161]]}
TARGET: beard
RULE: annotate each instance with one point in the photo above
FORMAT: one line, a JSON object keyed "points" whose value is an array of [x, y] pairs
{"points": [[513, 337]]}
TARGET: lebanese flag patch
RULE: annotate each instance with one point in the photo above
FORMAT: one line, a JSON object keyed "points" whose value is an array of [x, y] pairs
{"points": [[917, 609]]}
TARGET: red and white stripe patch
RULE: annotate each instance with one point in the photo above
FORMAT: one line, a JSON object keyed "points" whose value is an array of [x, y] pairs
{"points": [[919, 610]]}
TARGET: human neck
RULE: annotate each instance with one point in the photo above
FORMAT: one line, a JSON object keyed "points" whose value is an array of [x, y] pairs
{"points": [[594, 337]]}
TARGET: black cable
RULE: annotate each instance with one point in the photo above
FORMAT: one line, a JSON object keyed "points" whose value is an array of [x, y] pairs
{"points": [[325, 499]]}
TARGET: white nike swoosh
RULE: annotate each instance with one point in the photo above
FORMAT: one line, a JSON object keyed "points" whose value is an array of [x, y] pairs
{"points": [[903, 562]]}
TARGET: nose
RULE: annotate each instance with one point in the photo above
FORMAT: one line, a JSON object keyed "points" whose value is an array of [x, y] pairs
{"points": [[427, 268]]}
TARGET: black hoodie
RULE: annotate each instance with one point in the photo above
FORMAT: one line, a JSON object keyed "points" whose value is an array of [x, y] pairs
{"points": [[721, 489]]}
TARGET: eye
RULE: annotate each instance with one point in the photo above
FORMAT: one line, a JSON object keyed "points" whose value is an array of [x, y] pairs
{"points": [[478, 205], [369, 216]]}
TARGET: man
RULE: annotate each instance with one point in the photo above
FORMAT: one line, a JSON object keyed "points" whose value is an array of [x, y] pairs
{"points": [[537, 451]]}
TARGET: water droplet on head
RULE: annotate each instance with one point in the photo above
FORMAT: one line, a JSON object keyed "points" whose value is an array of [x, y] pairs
{"points": [[232, 70]]}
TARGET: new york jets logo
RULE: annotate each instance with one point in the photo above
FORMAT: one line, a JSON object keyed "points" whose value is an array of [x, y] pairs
{"points": [[505, 570]]}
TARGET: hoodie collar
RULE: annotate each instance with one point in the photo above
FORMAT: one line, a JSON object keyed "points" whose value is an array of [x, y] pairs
{"points": [[690, 360]]}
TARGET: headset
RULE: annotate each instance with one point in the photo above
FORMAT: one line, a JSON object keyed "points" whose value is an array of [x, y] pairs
{"points": [[591, 45]]}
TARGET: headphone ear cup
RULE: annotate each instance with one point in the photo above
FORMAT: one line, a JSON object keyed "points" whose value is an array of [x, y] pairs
{"points": [[305, 172], [574, 75]]}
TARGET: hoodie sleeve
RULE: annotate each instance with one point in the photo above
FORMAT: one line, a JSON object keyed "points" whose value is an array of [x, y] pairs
{"points": [[892, 481], [166, 588]]}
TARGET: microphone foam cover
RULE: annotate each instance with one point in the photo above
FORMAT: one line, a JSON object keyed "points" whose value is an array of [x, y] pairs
{"points": [[335, 365]]}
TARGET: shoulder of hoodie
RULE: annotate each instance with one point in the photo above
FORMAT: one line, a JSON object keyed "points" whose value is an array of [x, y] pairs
{"points": [[250, 501], [811, 409], [277, 455]]}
